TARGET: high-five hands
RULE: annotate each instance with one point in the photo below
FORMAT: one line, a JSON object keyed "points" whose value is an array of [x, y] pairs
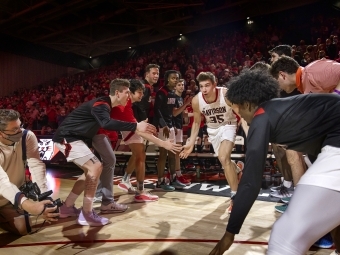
{"points": [[144, 126], [171, 146], [187, 149]]}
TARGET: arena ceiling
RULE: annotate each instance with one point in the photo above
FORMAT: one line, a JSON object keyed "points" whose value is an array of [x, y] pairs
{"points": [[96, 27]]}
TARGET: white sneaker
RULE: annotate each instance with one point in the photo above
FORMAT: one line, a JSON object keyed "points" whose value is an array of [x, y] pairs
{"points": [[97, 199], [127, 187], [113, 208], [91, 219], [281, 193]]}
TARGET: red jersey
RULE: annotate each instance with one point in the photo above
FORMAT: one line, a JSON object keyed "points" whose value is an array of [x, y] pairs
{"points": [[119, 113], [112, 135], [123, 113]]}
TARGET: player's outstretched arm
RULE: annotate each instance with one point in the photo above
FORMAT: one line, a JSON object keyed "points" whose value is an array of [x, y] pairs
{"points": [[168, 144], [187, 149], [144, 126]]}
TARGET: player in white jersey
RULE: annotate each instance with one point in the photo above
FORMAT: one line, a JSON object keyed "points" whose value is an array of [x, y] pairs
{"points": [[221, 126]]}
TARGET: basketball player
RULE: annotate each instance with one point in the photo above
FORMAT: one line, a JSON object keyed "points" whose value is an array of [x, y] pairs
{"points": [[289, 162], [164, 104], [280, 51], [221, 126], [306, 123], [136, 144], [76, 132], [141, 109], [321, 76]]}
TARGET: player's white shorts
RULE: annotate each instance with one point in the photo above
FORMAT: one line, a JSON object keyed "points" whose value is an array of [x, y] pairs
{"points": [[77, 152], [218, 135], [132, 137], [179, 136], [172, 135]]}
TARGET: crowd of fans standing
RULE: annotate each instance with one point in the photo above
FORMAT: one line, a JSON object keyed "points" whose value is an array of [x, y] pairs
{"points": [[224, 54]]}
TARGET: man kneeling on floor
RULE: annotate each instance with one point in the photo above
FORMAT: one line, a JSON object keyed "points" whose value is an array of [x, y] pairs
{"points": [[13, 203]]}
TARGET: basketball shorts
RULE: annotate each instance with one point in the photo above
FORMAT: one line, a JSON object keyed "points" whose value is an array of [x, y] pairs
{"points": [[172, 135], [130, 137], [179, 136], [218, 135], [77, 152]]}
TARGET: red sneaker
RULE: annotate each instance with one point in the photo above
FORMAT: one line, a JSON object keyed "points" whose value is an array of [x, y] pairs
{"points": [[183, 180], [145, 197], [127, 187]]}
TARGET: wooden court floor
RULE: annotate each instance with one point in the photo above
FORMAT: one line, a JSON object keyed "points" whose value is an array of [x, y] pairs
{"points": [[183, 222]]}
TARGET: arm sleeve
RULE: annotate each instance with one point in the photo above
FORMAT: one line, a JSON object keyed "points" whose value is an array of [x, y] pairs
{"points": [[250, 184], [160, 97], [101, 112], [7, 189], [36, 166]]}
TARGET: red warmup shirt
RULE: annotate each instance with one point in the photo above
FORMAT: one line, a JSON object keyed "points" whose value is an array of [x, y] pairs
{"points": [[119, 113], [123, 113]]}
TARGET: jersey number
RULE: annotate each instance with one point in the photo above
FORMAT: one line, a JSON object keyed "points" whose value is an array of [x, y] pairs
{"points": [[217, 119]]}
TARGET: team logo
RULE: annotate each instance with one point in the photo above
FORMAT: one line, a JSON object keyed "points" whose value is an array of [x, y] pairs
{"points": [[46, 149]]}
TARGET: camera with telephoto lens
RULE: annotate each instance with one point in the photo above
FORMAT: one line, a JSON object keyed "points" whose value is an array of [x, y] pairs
{"points": [[32, 191]]}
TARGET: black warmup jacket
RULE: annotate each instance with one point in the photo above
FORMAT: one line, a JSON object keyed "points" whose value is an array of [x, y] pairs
{"points": [[84, 122], [141, 109], [304, 123], [164, 104]]}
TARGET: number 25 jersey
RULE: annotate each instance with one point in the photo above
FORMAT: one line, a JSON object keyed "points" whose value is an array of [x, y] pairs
{"points": [[217, 113]]}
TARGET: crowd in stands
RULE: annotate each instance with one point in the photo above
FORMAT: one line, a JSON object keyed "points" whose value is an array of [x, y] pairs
{"points": [[225, 55]]}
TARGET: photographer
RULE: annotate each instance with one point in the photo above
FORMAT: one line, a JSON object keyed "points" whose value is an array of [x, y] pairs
{"points": [[12, 176]]}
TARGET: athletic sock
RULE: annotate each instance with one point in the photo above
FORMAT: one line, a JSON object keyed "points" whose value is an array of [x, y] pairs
{"points": [[71, 199], [174, 177], [178, 173], [287, 184], [87, 204], [126, 177]]}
